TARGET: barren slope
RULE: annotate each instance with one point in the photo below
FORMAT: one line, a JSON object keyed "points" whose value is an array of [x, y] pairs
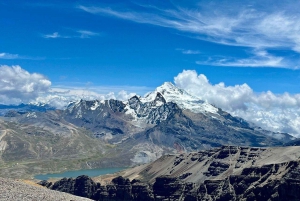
{"points": [[216, 163]]}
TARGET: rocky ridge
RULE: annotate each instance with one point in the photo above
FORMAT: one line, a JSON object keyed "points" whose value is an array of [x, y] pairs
{"points": [[168, 120], [232, 173]]}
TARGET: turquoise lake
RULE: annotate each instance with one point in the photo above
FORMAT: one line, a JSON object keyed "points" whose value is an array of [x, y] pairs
{"points": [[76, 173]]}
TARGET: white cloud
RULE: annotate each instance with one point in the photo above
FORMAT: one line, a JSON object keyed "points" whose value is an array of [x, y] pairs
{"points": [[87, 34], [265, 29], [124, 95], [78, 34], [277, 112], [59, 97], [16, 56], [229, 98], [249, 24], [54, 35], [18, 85], [4, 55], [183, 51], [260, 58]]}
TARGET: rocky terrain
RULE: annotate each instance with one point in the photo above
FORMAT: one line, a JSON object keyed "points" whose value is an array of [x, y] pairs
{"points": [[215, 163], [18, 190], [227, 173], [113, 133]]}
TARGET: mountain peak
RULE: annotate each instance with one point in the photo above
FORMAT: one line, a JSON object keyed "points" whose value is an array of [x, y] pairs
{"points": [[183, 99], [169, 88], [167, 85]]}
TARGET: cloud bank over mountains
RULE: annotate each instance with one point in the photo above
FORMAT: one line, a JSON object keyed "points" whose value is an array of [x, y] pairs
{"points": [[19, 86], [276, 112]]}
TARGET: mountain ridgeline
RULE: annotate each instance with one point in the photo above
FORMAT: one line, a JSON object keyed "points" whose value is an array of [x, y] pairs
{"points": [[220, 174], [111, 133], [169, 118]]}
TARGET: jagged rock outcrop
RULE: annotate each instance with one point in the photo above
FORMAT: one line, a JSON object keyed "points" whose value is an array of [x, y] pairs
{"points": [[120, 189], [82, 186], [270, 182], [45, 183]]}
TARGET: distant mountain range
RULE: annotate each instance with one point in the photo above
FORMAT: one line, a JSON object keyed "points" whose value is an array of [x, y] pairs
{"points": [[123, 133], [24, 108]]}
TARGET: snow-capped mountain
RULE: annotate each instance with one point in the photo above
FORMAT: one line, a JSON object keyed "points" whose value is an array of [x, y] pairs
{"points": [[193, 120], [138, 130], [166, 120], [151, 109], [183, 99]]}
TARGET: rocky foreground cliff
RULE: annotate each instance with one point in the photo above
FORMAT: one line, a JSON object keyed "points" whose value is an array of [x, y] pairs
{"points": [[226, 173]]}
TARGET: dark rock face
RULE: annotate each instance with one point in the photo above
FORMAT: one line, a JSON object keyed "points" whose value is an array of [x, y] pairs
{"points": [[269, 182], [216, 168], [167, 187], [45, 183], [82, 186], [121, 189]]}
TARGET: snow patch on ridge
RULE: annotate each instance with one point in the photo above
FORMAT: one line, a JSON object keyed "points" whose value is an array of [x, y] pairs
{"points": [[96, 105]]}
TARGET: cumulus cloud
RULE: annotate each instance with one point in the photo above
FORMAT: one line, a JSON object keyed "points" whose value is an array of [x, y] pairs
{"points": [[124, 95], [18, 85], [268, 110], [276, 112]]}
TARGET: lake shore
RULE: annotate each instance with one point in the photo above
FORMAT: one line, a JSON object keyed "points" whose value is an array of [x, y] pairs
{"points": [[75, 173]]}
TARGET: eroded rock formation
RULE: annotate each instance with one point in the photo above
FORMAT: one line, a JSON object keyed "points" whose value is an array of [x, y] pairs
{"points": [[226, 173]]}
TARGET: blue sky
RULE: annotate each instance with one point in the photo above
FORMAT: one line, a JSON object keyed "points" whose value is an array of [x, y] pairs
{"points": [[144, 43], [242, 56]]}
